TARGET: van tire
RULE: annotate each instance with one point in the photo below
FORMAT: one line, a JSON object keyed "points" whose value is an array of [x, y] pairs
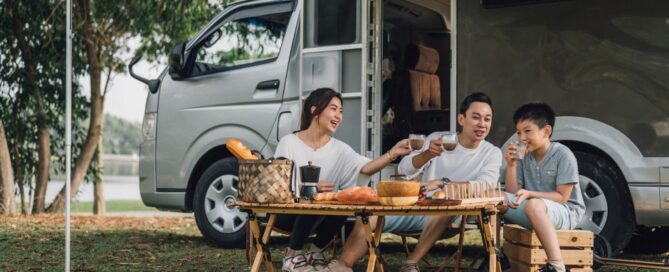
{"points": [[602, 177], [225, 227]]}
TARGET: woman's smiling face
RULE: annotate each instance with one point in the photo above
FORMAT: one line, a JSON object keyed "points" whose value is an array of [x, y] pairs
{"points": [[331, 117]]}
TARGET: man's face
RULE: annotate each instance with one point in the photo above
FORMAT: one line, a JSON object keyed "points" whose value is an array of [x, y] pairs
{"points": [[476, 121]]}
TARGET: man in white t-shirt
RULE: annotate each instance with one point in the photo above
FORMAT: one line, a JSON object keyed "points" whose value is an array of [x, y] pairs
{"points": [[473, 160]]}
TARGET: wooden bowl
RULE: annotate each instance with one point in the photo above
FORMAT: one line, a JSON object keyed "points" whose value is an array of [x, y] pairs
{"points": [[398, 200], [395, 188]]}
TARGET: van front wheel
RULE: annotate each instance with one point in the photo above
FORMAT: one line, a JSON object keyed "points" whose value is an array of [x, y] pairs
{"points": [[609, 207], [220, 225]]}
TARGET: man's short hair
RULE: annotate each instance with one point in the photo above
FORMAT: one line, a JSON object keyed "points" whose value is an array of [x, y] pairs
{"points": [[475, 97], [537, 112]]}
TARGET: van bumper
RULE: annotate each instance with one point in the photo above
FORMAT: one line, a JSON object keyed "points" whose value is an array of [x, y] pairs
{"points": [[646, 200], [147, 182]]}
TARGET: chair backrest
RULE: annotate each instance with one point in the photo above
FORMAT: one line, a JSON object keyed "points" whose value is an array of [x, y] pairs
{"points": [[422, 63]]}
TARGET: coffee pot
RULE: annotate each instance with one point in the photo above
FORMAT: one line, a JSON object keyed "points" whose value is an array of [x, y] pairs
{"points": [[309, 175]]}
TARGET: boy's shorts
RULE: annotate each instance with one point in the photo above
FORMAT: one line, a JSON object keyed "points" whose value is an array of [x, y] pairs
{"points": [[557, 213], [408, 223]]}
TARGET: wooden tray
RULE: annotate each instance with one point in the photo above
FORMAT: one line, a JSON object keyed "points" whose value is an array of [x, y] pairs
{"points": [[438, 202]]}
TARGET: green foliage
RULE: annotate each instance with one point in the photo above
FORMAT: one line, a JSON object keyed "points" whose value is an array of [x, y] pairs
{"points": [[121, 136], [44, 32]]}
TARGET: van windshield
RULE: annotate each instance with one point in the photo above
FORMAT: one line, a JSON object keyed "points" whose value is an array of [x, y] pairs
{"points": [[245, 41]]}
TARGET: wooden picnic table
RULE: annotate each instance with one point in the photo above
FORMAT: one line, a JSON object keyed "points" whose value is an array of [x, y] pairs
{"points": [[485, 211]]}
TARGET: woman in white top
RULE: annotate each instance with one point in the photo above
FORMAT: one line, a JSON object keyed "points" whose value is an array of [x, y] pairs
{"points": [[340, 167]]}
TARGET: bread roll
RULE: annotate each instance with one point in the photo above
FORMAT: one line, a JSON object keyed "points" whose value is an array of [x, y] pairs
{"points": [[439, 195]]}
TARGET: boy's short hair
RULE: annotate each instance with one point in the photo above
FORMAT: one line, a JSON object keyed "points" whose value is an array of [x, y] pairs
{"points": [[475, 97], [539, 113]]}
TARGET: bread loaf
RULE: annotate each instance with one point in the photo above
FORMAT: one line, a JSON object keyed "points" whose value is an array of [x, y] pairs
{"points": [[357, 194]]}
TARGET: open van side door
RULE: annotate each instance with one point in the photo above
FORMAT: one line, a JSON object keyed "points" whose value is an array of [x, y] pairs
{"points": [[339, 51]]}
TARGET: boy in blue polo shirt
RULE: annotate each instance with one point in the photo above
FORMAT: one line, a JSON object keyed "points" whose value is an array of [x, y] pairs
{"points": [[542, 189]]}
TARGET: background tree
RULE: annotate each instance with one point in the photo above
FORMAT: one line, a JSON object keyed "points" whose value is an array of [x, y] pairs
{"points": [[106, 28], [7, 205], [32, 74]]}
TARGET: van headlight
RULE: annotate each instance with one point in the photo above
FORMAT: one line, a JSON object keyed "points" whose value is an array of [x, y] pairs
{"points": [[149, 126]]}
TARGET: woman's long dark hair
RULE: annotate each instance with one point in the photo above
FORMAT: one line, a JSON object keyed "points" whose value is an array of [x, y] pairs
{"points": [[320, 98]]}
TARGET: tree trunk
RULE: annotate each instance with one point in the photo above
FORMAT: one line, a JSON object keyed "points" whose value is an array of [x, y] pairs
{"points": [[7, 197], [99, 207], [92, 45], [43, 140], [44, 146]]}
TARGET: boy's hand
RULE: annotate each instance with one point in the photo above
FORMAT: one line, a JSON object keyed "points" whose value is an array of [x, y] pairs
{"points": [[325, 186], [521, 195], [510, 152], [435, 149]]}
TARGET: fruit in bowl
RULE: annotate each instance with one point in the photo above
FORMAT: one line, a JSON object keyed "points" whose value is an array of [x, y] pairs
{"points": [[398, 192]]}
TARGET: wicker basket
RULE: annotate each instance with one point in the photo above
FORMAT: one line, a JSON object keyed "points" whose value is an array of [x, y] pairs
{"points": [[266, 181]]}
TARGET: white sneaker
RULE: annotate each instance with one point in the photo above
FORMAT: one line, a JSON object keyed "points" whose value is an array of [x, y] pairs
{"points": [[296, 263], [336, 266], [409, 267], [315, 257]]}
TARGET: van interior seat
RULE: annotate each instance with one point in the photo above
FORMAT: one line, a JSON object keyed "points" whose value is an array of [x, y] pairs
{"points": [[417, 91]]}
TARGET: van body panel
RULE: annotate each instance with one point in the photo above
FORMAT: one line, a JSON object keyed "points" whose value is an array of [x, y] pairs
{"points": [[198, 108]]}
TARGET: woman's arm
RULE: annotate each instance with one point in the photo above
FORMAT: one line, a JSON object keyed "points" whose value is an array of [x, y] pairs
{"points": [[400, 149]]}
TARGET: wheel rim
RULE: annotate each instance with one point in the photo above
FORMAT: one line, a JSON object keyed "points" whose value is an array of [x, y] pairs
{"points": [[596, 206], [221, 217]]}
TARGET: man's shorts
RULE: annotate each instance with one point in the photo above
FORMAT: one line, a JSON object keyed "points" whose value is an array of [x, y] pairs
{"points": [[557, 213], [410, 223]]}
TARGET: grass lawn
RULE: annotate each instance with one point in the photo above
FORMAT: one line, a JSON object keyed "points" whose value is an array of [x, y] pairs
{"points": [[110, 243], [111, 205]]}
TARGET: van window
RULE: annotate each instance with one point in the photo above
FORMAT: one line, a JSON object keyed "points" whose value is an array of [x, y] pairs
{"points": [[244, 42], [331, 22]]}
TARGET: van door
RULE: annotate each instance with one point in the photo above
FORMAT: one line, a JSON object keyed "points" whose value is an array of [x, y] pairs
{"points": [[338, 53], [234, 90]]}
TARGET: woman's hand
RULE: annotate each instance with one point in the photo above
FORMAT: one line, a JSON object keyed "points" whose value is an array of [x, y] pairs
{"points": [[510, 152], [325, 186], [435, 149], [434, 184], [401, 148], [521, 195]]}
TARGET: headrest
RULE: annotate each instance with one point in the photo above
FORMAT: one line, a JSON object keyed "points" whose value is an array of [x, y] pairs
{"points": [[421, 58]]}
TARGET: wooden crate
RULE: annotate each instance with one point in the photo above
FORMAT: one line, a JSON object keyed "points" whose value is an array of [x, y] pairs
{"points": [[524, 250]]}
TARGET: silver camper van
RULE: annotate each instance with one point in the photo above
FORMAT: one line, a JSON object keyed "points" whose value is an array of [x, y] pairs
{"points": [[401, 66]]}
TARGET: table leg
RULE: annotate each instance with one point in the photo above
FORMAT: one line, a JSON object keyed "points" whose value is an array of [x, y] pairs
{"points": [[263, 253], [255, 231], [372, 242], [489, 239], [377, 240]]}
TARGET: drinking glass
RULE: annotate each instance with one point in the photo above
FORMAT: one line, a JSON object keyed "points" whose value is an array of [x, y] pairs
{"points": [[416, 141], [449, 140]]}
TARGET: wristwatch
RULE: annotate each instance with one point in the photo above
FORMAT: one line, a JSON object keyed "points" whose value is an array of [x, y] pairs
{"points": [[444, 180]]}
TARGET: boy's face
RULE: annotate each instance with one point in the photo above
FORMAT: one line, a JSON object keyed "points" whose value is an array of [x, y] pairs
{"points": [[476, 121], [530, 132]]}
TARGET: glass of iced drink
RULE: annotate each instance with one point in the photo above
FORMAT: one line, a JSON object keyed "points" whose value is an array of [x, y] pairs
{"points": [[521, 149], [416, 141], [449, 140]]}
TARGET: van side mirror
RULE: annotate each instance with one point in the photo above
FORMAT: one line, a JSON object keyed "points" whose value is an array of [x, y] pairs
{"points": [[176, 61]]}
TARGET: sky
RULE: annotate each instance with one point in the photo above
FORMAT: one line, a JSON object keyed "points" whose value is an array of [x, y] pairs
{"points": [[127, 96]]}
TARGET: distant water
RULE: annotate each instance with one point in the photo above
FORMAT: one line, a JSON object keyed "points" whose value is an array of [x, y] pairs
{"points": [[121, 181], [115, 187]]}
